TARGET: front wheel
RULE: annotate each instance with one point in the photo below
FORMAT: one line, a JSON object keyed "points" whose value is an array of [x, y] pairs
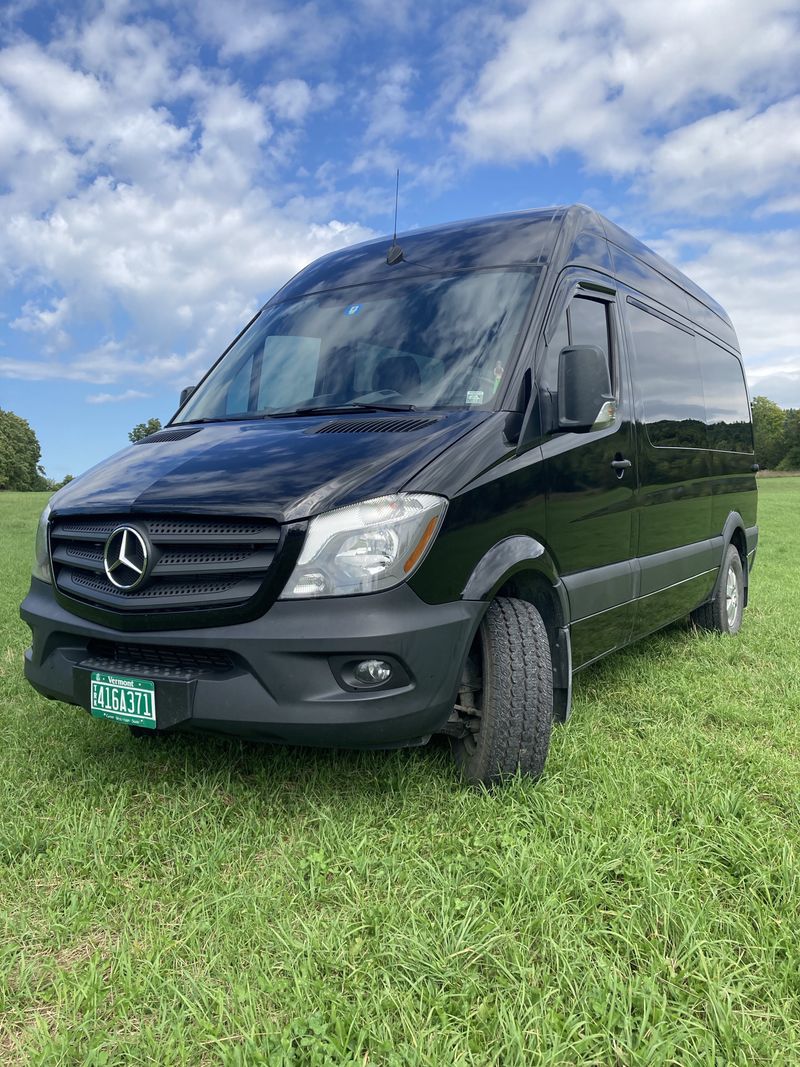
{"points": [[505, 701], [723, 613]]}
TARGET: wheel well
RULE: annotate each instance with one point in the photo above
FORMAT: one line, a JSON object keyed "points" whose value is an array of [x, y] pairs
{"points": [[740, 544], [536, 590]]}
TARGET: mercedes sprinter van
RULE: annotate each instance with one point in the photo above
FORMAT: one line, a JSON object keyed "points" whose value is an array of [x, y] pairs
{"points": [[429, 482]]}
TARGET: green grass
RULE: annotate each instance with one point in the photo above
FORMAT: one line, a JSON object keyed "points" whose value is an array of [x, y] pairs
{"points": [[206, 902]]}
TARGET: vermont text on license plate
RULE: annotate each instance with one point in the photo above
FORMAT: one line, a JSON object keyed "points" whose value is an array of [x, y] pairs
{"points": [[129, 700]]}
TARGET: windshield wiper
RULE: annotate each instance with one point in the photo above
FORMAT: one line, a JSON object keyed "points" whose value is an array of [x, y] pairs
{"points": [[338, 409], [381, 407], [314, 409], [218, 418]]}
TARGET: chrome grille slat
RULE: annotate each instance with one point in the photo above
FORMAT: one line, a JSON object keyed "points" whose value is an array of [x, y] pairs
{"points": [[198, 561]]}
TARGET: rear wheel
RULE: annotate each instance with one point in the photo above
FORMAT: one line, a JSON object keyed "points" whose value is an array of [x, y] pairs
{"points": [[505, 701], [723, 613]]}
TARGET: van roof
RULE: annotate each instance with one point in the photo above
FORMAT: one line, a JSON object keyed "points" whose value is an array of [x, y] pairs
{"points": [[560, 235]]}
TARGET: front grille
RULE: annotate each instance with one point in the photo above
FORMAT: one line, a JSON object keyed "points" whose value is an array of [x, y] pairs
{"points": [[154, 661], [197, 562]]}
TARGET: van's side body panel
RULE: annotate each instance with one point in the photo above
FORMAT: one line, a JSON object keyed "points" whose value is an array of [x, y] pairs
{"points": [[633, 553], [590, 504], [684, 493]]}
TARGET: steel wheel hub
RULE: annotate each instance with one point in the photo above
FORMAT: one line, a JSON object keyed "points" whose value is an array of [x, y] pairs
{"points": [[731, 596]]}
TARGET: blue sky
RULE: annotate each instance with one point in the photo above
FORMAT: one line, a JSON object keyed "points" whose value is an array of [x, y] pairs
{"points": [[165, 167]]}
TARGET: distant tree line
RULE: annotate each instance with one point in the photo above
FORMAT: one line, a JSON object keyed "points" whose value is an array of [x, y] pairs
{"points": [[777, 434], [19, 457]]}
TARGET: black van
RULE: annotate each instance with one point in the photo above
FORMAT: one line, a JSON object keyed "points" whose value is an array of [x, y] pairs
{"points": [[426, 484]]}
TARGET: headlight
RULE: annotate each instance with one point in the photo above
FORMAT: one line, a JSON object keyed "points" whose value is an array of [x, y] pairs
{"points": [[41, 562], [366, 547]]}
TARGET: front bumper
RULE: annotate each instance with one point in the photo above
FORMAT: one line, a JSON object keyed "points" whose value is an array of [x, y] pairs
{"points": [[286, 679]]}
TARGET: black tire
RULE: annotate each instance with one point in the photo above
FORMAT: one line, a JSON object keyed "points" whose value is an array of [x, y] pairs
{"points": [[506, 697], [723, 613]]}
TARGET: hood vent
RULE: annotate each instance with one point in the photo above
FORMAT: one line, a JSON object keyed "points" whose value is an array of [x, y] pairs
{"points": [[376, 425], [177, 434]]}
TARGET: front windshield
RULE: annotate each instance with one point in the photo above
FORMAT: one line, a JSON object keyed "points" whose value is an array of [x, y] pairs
{"points": [[423, 343]]}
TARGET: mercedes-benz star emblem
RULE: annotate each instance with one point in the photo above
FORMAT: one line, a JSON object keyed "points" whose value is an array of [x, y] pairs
{"points": [[125, 558]]}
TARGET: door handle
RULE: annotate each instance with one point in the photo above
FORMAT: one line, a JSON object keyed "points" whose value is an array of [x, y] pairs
{"points": [[620, 465]]}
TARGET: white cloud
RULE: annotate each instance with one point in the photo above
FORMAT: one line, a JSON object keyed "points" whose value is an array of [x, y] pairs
{"points": [[118, 206], [400, 15], [780, 205], [756, 278], [293, 99], [608, 81], [47, 83], [727, 156], [387, 103], [115, 398], [784, 389], [256, 27], [36, 319]]}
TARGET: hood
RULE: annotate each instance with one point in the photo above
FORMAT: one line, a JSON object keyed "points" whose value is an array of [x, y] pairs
{"points": [[285, 469]]}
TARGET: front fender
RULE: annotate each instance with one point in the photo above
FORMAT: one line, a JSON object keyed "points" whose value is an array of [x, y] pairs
{"points": [[507, 558]]}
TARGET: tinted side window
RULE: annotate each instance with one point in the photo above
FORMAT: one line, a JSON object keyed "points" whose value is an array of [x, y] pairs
{"points": [[585, 322], [727, 413], [668, 379], [588, 323]]}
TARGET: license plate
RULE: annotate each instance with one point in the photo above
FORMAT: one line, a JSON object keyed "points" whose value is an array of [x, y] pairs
{"points": [[128, 700]]}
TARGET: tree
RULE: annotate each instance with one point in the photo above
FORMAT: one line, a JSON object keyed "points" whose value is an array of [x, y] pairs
{"points": [[768, 426], [791, 441], [144, 429], [19, 453]]}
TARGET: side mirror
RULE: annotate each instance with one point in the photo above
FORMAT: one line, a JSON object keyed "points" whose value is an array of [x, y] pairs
{"points": [[185, 394], [585, 401]]}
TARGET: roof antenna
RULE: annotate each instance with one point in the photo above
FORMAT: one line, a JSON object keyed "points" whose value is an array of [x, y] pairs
{"points": [[395, 253]]}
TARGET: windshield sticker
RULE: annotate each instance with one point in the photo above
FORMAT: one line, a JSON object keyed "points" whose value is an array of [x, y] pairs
{"points": [[475, 396], [353, 309]]}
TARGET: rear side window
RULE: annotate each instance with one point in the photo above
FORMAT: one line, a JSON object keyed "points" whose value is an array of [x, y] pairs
{"points": [[668, 381], [727, 410]]}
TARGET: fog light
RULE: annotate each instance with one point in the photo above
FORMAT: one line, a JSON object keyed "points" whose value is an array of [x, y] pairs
{"points": [[372, 671]]}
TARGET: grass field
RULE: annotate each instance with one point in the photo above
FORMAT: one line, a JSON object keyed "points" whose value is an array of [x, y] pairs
{"points": [[204, 902]]}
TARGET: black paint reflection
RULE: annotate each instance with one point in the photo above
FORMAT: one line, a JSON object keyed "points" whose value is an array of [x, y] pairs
{"points": [[430, 342], [282, 469]]}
